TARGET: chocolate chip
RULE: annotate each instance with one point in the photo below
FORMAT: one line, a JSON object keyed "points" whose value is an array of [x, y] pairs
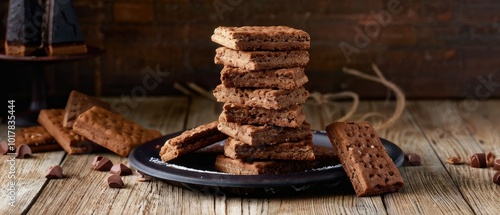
{"points": [[101, 164], [23, 151], [115, 181], [96, 160], [496, 165], [141, 177], [413, 159], [496, 178], [120, 169], [4, 148], [478, 160], [54, 172]]}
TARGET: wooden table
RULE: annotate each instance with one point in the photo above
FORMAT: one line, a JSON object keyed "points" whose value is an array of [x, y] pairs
{"points": [[435, 130]]}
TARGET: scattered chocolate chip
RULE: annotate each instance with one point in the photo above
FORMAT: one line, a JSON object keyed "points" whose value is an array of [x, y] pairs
{"points": [[490, 159], [478, 160], [54, 172], [413, 159], [115, 181], [101, 164], [96, 160], [4, 148], [496, 178], [454, 160], [496, 165], [23, 151], [141, 177], [120, 169]]}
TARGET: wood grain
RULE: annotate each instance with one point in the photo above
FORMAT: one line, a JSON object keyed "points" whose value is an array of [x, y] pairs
{"points": [[448, 133], [432, 129], [423, 184], [29, 179], [23, 178], [86, 191]]}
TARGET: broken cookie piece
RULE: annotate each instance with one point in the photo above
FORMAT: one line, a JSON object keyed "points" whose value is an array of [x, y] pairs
{"points": [[38, 138], [454, 160], [191, 140]]}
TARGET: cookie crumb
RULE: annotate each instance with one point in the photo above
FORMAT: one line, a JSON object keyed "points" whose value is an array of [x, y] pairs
{"points": [[454, 160]]}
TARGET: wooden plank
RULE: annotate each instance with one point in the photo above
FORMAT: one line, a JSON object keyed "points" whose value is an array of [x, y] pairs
{"points": [[443, 127], [23, 178], [426, 128], [85, 190], [448, 133], [423, 184], [482, 123], [482, 119], [200, 111]]}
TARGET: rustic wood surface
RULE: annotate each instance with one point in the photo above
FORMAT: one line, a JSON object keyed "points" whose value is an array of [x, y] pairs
{"points": [[435, 130]]}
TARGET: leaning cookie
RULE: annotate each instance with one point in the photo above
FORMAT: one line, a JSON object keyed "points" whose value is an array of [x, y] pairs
{"points": [[78, 103], [112, 131], [72, 143], [37, 138], [364, 158], [191, 140]]}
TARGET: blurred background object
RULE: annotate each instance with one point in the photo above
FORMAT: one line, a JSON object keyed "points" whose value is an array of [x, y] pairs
{"points": [[431, 49]]}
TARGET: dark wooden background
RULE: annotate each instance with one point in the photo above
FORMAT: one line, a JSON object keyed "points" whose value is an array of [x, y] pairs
{"points": [[431, 49]]}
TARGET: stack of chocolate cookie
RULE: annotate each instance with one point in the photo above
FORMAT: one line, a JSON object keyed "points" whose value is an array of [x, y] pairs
{"points": [[263, 93]]}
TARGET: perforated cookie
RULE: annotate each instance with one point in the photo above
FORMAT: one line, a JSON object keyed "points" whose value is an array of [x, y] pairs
{"points": [[37, 138], [364, 158], [112, 131], [71, 142]]}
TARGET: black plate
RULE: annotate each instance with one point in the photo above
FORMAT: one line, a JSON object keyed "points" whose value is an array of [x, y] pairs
{"points": [[195, 171]]}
